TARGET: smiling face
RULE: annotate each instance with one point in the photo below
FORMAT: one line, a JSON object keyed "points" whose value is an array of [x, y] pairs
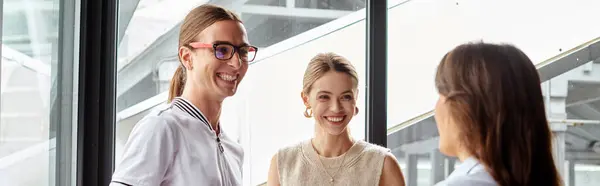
{"points": [[332, 99], [211, 76]]}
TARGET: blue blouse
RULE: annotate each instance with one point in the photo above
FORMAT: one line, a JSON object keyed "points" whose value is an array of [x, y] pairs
{"points": [[469, 173]]}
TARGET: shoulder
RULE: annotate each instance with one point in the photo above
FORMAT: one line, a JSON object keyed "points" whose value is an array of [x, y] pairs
{"points": [[284, 162], [160, 122], [479, 178], [382, 154], [391, 173], [466, 181], [290, 156], [290, 150], [390, 161], [149, 149], [370, 156], [381, 163], [375, 150], [162, 114], [379, 158]]}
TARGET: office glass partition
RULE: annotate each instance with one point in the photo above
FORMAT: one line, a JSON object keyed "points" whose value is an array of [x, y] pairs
{"points": [[39, 74]]}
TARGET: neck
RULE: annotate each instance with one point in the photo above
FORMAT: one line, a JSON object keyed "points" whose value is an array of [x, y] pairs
{"points": [[463, 155], [211, 108], [328, 145]]}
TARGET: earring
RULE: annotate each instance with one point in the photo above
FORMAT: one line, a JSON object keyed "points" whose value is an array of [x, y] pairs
{"points": [[308, 112]]}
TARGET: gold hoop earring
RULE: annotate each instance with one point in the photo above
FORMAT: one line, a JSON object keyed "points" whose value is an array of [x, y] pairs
{"points": [[308, 112]]}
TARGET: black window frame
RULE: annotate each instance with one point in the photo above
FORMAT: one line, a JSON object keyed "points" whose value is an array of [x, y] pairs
{"points": [[376, 100], [97, 90]]}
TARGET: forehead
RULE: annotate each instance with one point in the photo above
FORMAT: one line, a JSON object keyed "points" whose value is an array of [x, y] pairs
{"points": [[229, 31], [335, 82]]}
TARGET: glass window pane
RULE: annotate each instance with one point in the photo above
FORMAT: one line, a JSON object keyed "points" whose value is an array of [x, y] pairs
{"points": [[38, 83], [573, 99], [421, 32], [267, 105]]}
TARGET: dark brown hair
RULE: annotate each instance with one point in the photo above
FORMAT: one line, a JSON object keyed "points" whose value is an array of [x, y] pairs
{"points": [[195, 22], [494, 96]]}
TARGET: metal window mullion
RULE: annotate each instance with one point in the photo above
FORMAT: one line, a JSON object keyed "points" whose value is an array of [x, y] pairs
{"points": [[376, 100], [97, 76], [62, 100], [1, 36]]}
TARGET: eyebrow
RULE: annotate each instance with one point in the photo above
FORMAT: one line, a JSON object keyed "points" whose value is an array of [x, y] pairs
{"points": [[227, 42], [327, 92]]}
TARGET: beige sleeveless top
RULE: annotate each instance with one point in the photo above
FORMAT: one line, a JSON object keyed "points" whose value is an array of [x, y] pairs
{"points": [[299, 165]]}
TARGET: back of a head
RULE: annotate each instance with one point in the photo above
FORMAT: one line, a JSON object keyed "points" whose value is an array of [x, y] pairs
{"points": [[195, 22], [495, 97]]}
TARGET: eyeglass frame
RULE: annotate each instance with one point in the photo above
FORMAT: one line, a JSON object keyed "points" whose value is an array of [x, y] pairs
{"points": [[197, 45]]}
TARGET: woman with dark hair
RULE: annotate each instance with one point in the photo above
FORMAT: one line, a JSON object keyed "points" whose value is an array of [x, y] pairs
{"points": [[490, 115]]}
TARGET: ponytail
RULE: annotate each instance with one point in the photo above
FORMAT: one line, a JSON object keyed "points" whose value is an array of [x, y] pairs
{"points": [[177, 84]]}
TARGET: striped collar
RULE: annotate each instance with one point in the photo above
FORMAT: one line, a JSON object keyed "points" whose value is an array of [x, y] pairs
{"points": [[192, 110]]}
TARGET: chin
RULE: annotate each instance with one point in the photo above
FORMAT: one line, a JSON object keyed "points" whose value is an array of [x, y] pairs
{"points": [[226, 86], [335, 131], [224, 93], [446, 150]]}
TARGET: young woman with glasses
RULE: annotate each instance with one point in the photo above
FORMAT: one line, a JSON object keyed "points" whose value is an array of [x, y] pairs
{"points": [[184, 144]]}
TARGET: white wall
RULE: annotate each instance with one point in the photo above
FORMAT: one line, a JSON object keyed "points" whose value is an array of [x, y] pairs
{"points": [[266, 113]]}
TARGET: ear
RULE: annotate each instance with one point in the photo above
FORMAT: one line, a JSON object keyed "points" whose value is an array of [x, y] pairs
{"points": [[185, 55], [355, 111], [304, 99]]}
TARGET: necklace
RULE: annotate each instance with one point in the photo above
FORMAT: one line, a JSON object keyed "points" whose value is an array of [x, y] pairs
{"points": [[332, 177]]}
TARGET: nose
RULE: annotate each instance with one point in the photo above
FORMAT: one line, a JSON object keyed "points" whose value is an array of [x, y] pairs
{"points": [[336, 107], [235, 61]]}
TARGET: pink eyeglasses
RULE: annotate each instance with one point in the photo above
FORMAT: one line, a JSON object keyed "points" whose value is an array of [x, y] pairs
{"points": [[225, 51]]}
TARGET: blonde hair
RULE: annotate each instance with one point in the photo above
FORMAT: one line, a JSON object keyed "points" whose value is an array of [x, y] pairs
{"points": [[195, 22], [323, 63]]}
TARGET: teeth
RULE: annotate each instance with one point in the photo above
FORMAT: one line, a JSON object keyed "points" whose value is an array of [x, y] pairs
{"points": [[227, 77], [335, 119]]}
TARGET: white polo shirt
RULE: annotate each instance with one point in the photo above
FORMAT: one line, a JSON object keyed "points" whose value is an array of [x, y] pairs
{"points": [[177, 146], [469, 173]]}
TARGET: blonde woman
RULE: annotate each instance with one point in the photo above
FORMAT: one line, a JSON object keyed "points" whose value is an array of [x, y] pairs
{"points": [[332, 156], [184, 144]]}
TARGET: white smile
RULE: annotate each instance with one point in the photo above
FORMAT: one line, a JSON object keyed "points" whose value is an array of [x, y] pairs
{"points": [[334, 118], [227, 77]]}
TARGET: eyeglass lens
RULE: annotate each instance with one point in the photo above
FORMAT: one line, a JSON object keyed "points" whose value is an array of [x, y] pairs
{"points": [[224, 51]]}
